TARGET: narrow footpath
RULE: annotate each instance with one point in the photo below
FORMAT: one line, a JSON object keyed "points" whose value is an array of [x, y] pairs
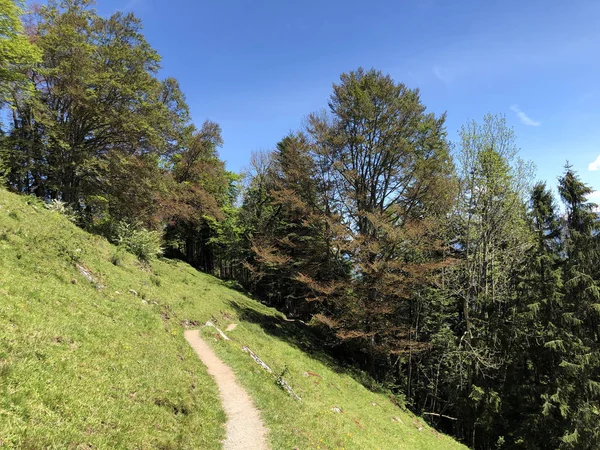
{"points": [[245, 430]]}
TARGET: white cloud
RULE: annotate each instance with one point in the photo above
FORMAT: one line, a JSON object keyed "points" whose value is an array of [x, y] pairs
{"points": [[524, 118], [440, 75], [595, 165]]}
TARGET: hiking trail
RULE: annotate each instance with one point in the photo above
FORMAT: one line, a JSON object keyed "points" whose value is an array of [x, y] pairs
{"points": [[245, 429]]}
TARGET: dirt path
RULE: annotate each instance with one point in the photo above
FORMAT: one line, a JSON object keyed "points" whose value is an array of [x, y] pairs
{"points": [[245, 430]]}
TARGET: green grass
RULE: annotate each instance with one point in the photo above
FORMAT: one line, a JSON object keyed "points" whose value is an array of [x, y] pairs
{"points": [[103, 363]]}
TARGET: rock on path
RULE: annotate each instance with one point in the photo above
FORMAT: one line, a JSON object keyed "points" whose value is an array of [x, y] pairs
{"points": [[245, 430]]}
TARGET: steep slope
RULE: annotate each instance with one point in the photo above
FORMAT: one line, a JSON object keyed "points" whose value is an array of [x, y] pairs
{"points": [[92, 354]]}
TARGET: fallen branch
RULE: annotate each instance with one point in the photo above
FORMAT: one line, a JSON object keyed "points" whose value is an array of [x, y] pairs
{"points": [[439, 415], [280, 381], [284, 384], [258, 361], [223, 335]]}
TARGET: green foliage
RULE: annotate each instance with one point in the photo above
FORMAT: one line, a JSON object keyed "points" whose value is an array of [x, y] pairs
{"points": [[4, 169], [62, 208], [98, 75], [144, 244], [17, 54], [118, 257]]}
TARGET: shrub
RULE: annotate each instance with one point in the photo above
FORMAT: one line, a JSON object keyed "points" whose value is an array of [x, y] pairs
{"points": [[62, 208], [118, 256], [144, 244], [4, 171]]}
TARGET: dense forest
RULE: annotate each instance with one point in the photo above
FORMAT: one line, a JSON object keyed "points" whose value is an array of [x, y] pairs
{"points": [[443, 269]]}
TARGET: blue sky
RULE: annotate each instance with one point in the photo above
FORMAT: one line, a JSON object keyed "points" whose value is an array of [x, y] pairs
{"points": [[259, 67]]}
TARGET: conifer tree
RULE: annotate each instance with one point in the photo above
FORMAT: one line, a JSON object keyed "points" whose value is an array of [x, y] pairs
{"points": [[530, 372], [488, 236], [289, 243], [576, 397]]}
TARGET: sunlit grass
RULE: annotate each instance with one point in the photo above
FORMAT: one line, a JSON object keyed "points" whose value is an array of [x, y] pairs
{"points": [[103, 363]]}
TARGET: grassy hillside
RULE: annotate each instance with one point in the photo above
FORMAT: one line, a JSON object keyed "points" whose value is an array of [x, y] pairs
{"points": [[92, 354]]}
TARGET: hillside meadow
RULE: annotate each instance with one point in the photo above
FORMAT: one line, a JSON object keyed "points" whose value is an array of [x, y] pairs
{"points": [[92, 354]]}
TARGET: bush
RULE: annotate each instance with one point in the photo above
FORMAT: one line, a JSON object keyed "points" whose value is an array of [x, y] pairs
{"points": [[118, 256], [144, 244], [62, 208], [4, 171]]}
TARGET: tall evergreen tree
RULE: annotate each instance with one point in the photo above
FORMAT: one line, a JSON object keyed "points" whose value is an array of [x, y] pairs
{"points": [[489, 238], [576, 397], [531, 368], [288, 233]]}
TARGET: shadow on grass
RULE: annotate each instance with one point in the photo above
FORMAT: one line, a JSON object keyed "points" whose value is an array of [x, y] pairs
{"points": [[304, 338]]}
